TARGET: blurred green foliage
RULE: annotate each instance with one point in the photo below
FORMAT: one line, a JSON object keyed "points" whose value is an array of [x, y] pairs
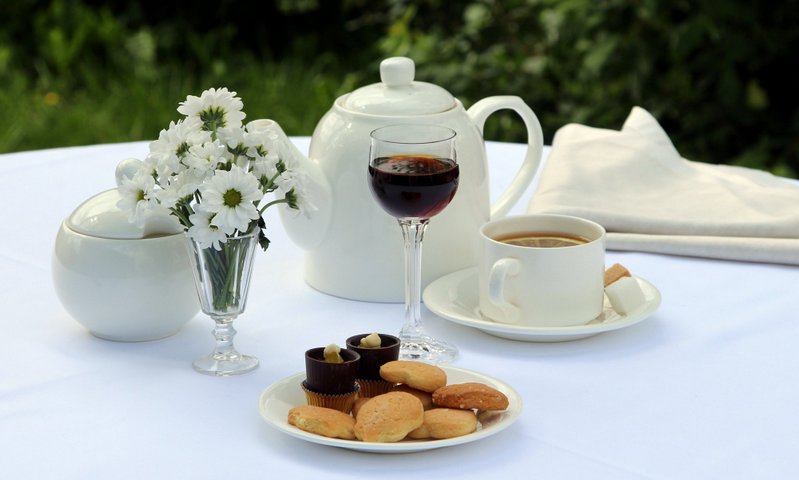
{"points": [[721, 76]]}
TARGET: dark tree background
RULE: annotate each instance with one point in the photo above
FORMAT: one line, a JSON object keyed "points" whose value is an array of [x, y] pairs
{"points": [[721, 76]]}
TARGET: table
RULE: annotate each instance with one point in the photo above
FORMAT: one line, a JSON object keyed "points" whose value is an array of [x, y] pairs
{"points": [[705, 388]]}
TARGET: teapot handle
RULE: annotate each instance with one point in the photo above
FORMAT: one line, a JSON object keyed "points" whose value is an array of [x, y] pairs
{"points": [[479, 112]]}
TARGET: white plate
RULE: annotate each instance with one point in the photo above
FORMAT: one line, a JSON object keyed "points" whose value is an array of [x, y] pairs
{"points": [[281, 396], [455, 297]]}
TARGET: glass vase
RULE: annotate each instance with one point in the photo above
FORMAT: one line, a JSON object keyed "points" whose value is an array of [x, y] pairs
{"points": [[222, 278]]}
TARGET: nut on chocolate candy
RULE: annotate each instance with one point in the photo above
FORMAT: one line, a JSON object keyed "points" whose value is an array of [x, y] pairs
{"points": [[370, 341], [332, 354]]}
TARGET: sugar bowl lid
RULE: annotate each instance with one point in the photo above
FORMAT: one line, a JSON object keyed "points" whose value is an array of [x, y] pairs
{"points": [[99, 216], [398, 93]]}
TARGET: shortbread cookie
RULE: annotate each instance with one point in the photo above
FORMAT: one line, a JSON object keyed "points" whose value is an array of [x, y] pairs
{"points": [[446, 423], [470, 395], [421, 376], [388, 417], [425, 397], [356, 407], [322, 421]]}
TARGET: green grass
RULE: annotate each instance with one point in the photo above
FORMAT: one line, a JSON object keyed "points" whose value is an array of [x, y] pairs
{"points": [[108, 109]]}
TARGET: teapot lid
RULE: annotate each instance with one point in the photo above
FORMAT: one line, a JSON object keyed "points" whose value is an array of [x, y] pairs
{"points": [[99, 216], [398, 93]]}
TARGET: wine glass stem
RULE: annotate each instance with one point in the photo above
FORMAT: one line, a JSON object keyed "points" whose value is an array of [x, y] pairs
{"points": [[223, 334], [412, 234]]}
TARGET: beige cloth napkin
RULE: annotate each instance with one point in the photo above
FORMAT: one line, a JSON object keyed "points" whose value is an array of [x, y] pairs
{"points": [[650, 199]]}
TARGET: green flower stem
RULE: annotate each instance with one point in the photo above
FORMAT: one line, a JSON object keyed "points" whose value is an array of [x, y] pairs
{"points": [[273, 202], [270, 185], [183, 217], [226, 265], [183, 211], [221, 281], [230, 271]]}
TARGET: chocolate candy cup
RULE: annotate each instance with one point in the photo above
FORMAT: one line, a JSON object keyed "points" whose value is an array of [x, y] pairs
{"points": [[373, 388], [331, 378], [373, 358], [342, 402]]}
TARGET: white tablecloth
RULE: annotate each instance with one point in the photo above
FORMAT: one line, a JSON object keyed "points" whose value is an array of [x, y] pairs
{"points": [[706, 388]]}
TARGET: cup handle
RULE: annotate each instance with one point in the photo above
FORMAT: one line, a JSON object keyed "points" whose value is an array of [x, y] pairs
{"points": [[496, 286], [479, 112]]}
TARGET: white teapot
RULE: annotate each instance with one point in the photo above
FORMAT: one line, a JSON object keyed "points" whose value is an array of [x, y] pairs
{"points": [[353, 248]]}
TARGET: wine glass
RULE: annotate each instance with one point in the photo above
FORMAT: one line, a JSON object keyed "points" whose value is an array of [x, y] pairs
{"points": [[413, 175]]}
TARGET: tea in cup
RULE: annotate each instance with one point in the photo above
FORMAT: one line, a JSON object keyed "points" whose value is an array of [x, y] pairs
{"points": [[542, 270]]}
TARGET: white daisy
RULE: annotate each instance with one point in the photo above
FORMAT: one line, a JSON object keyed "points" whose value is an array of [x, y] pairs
{"points": [[174, 142], [204, 232], [290, 180], [234, 139], [260, 141], [179, 187], [150, 166], [293, 186], [205, 158], [137, 196], [215, 108], [265, 166], [232, 197]]}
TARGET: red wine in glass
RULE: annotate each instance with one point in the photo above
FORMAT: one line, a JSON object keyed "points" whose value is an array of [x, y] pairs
{"points": [[413, 186], [413, 175]]}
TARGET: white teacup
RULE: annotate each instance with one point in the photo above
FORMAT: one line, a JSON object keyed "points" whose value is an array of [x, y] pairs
{"points": [[542, 286]]}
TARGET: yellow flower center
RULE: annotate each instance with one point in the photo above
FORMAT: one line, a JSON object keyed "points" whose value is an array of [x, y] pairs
{"points": [[232, 198]]}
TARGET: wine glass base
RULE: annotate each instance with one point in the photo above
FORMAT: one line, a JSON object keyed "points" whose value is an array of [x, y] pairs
{"points": [[221, 365], [427, 349]]}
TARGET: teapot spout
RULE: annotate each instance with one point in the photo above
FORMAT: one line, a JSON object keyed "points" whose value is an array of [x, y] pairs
{"points": [[308, 228]]}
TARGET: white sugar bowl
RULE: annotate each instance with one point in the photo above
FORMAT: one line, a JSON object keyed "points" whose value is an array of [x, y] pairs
{"points": [[121, 281]]}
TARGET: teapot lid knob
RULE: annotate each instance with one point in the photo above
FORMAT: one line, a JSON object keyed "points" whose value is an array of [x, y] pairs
{"points": [[398, 94], [397, 71]]}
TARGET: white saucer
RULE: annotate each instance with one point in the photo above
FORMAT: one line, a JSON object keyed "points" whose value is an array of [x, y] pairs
{"points": [[281, 396], [455, 297]]}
